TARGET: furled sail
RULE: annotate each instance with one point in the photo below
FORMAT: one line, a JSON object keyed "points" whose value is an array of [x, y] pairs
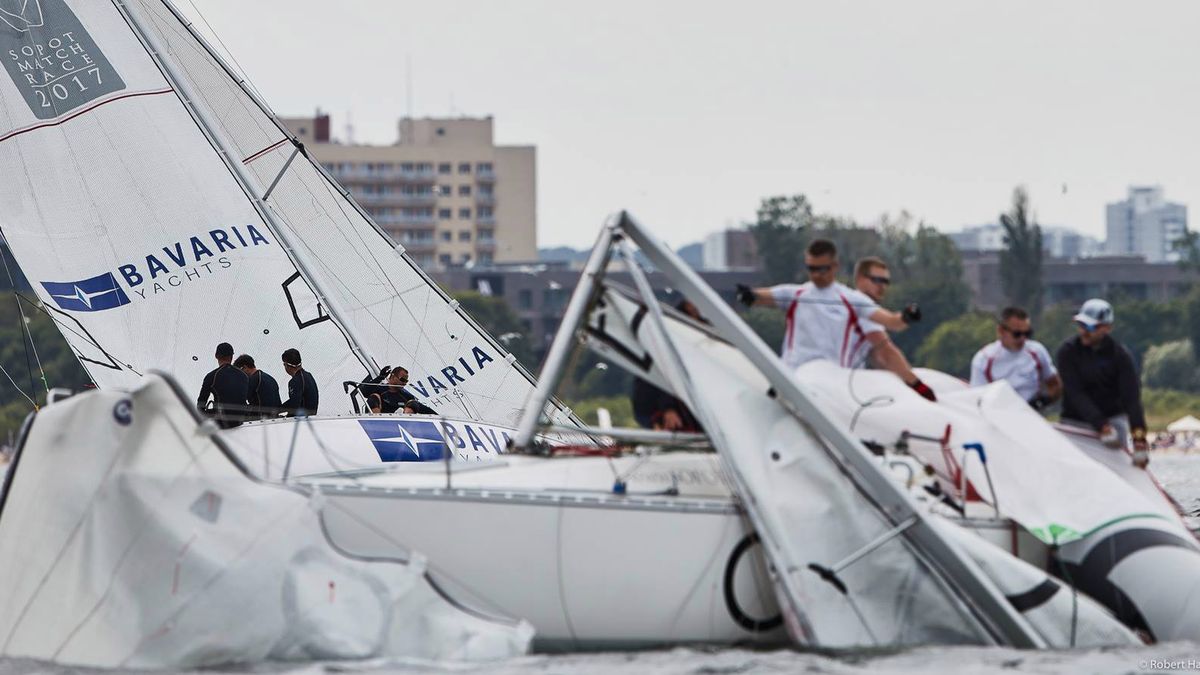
{"points": [[159, 209]]}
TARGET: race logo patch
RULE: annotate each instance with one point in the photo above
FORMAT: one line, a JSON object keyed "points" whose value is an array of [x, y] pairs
{"points": [[405, 440], [54, 62], [90, 295]]}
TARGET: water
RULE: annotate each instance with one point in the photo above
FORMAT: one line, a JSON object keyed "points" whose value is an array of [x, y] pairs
{"points": [[1180, 475]]}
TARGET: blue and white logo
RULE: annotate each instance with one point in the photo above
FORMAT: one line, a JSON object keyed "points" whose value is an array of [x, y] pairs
{"points": [[90, 295], [405, 440]]}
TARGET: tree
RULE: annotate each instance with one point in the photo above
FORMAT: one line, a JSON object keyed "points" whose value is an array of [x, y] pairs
{"points": [[780, 231], [1191, 313], [1021, 259], [1171, 365], [928, 270], [767, 323], [951, 345]]}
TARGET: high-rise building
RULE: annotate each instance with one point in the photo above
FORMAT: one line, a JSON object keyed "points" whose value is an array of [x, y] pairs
{"points": [[444, 190], [730, 250], [1146, 224]]}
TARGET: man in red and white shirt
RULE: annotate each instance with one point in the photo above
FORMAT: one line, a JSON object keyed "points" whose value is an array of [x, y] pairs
{"points": [[828, 320], [1020, 360]]}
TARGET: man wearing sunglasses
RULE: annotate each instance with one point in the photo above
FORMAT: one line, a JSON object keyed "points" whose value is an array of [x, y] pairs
{"points": [[1019, 360], [873, 278], [395, 398], [828, 320], [1100, 383]]}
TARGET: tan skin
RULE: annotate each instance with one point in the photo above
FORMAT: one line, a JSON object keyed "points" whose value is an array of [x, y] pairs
{"points": [[1013, 332], [397, 379], [875, 290], [823, 272]]}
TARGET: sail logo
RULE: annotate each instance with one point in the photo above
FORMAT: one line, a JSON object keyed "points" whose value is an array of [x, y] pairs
{"points": [[405, 440], [54, 62], [437, 389], [89, 295]]}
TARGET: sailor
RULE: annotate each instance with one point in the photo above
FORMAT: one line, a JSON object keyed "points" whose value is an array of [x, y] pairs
{"points": [[302, 388], [828, 320], [227, 386], [263, 390], [394, 397], [654, 408], [1100, 383], [872, 278], [1018, 359]]}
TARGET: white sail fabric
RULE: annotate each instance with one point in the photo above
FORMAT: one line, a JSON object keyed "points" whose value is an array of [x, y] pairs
{"points": [[130, 540], [148, 251], [891, 596]]}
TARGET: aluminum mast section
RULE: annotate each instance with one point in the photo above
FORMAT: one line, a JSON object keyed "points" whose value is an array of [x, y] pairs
{"points": [[266, 110], [997, 614], [243, 177]]}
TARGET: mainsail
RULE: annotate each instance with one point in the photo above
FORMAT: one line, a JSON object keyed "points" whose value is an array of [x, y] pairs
{"points": [[159, 208]]}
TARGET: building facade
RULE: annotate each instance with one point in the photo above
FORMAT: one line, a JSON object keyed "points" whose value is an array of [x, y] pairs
{"points": [[1057, 242], [445, 191], [1145, 224], [730, 250]]}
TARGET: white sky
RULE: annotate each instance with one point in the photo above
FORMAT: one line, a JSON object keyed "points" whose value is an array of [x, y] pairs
{"points": [[688, 112]]}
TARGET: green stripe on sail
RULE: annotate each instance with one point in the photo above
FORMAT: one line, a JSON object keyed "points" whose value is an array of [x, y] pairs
{"points": [[1055, 534]]}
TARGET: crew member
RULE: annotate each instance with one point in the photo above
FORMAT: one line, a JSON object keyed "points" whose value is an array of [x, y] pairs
{"points": [[1100, 383], [227, 386], [661, 410], [394, 397], [302, 388], [828, 320], [872, 278], [263, 392], [1018, 359]]}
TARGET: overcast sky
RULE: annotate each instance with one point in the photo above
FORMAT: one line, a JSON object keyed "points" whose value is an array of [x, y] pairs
{"points": [[688, 112]]}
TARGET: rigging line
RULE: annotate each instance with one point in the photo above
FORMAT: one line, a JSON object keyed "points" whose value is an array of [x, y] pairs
{"points": [[27, 330], [243, 79], [120, 363], [18, 387]]}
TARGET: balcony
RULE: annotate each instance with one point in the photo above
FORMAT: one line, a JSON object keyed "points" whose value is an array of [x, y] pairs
{"points": [[385, 176], [396, 199], [485, 221], [485, 200], [485, 176]]}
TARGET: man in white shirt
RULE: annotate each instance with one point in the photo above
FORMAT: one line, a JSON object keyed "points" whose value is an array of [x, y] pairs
{"points": [[828, 320], [1018, 359]]}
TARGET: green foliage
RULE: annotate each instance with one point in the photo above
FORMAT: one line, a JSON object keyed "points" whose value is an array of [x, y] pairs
{"points": [[1191, 316], [1055, 326], [928, 270], [20, 359], [1171, 365], [1140, 324], [619, 407], [951, 345], [780, 231], [1021, 259], [1164, 406], [767, 322], [501, 321]]}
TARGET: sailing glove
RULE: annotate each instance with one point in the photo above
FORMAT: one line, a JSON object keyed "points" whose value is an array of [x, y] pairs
{"points": [[924, 390], [745, 295], [911, 313]]}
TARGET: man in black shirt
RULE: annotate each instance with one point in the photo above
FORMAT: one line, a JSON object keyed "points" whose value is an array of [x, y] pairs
{"points": [[302, 388], [263, 393], [1100, 383], [394, 397], [227, 387]]}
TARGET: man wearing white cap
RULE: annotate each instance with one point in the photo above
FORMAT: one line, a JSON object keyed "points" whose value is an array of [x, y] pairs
{"points": [[1100, 383]]}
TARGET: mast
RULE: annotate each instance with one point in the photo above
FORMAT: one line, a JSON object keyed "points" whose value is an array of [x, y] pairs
{"points": [[245, 180]]}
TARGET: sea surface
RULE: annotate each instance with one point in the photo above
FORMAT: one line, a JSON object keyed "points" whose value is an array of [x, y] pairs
{"points": [[1179, 474]]}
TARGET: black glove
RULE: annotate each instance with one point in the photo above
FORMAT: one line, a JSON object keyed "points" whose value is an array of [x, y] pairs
{"points": [[745, 295], [911, 313], [1041, 402], [924, 390], [381, 376]]}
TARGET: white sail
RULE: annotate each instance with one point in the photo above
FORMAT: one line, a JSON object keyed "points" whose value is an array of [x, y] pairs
{"points": [[136, 207]]}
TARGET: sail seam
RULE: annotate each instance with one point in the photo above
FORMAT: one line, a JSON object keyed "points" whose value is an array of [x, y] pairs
{"points": [[54, 123], [264, 151]]}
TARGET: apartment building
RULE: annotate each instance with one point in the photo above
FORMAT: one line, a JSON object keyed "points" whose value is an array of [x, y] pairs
{"points": [[444, 190], [1146, 224]]}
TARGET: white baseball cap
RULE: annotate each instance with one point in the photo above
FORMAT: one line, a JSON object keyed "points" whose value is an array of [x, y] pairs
{"points": [[1095, 312]]}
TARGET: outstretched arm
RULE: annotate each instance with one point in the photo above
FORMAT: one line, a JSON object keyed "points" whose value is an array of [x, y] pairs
{"points": [[755, 297], [889, 357]]}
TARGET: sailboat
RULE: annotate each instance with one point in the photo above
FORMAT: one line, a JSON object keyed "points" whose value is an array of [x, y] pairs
{"points": [[160, 208]]}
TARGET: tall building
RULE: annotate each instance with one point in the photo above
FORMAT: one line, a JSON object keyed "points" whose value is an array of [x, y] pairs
{"points": [[444, 190], [1146, 224], [730, 250]]}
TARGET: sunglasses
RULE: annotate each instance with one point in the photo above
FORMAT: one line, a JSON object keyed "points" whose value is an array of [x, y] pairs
{"points": [[882, 281], [1085, 326], [818, 269], [1017, 333]]}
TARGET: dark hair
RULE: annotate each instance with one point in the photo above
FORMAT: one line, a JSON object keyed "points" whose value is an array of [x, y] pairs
{"points": [[1013, 312], [224, 351], [398, 369], [292, 357], [244, 361], [864, 265], [820, 247]]}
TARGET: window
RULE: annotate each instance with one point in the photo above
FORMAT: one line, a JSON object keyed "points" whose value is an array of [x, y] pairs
{"points": [[524, 298], [407, 167], [485, 259], [445, 214], [464, 190], [487, 235], [464, 167], [466, 258], [485, 212], [445, 190], [425, 167], [447, 235], [483, 167], [444, 168], [487, 190], [444, 259], [464, 214], [464, 235]]}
